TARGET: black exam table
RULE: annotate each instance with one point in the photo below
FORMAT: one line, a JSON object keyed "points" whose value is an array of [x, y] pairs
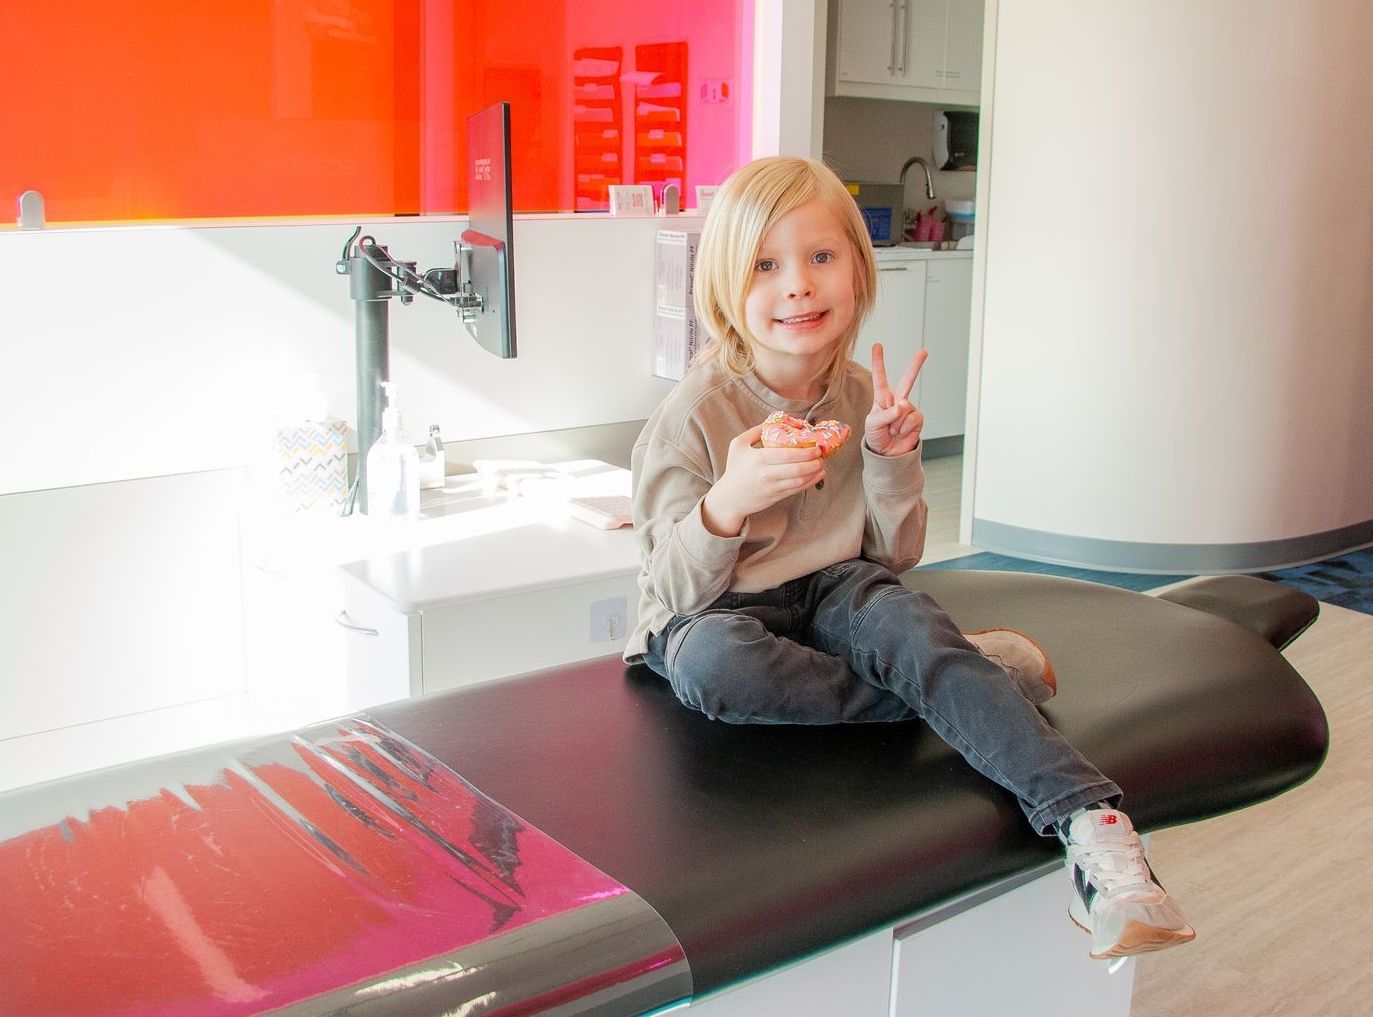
{"points": [[621, 852]]}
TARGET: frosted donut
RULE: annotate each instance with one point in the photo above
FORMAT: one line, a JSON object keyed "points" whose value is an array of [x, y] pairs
{"points": [[782, 431]]}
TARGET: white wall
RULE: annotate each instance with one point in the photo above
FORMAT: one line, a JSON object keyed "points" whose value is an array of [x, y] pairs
{"points": [[789, 61], [167, 352], [162, 350], [1177, 234]]}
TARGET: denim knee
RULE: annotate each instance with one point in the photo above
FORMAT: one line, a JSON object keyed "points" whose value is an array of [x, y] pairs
{"points": [[696, 661]]}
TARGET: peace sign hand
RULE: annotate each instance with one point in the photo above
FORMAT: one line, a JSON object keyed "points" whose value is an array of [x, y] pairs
{"points": [[893, 425]]}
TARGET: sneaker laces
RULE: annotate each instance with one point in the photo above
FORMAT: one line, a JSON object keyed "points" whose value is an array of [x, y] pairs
{"points": [[1113, 867]]}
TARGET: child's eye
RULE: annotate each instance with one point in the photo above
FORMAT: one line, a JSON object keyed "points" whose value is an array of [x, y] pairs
{"points": [[766, 265], [823, 257]]}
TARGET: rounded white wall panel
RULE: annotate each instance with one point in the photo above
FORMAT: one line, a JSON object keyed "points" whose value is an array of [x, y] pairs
{"points": [[1177, 327]]}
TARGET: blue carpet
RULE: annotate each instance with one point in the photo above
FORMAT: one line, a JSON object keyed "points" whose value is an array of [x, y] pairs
{"points": [[1346, 581], [986, 561]]}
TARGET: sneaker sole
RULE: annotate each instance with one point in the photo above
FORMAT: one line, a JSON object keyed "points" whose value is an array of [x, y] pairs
{"points": [[1138, 938], [1050, 679]]}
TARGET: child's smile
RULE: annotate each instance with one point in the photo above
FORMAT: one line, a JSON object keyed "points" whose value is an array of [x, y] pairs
{"points": [[801, 300], [800, 322]]}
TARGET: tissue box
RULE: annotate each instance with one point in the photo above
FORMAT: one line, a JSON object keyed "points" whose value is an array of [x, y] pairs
{"points": [[676, 332], [312, 465], [675, 336]]}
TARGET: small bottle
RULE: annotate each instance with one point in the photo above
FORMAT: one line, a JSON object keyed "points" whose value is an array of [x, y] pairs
{"points": [[433, 461], [393, 469]]}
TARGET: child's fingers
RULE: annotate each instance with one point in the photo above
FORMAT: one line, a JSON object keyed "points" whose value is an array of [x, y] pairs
{"points": [[783, 480], [783, 456], [912, 372], [790, 471], [750, 437], [881, 394], [880, 419]]}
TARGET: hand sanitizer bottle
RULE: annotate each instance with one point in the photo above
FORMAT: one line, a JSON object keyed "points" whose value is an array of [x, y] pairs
{"points": [[393, 469]]}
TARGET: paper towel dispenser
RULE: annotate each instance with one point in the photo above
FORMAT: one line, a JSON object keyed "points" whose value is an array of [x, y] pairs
{"points": [[955, 140]]}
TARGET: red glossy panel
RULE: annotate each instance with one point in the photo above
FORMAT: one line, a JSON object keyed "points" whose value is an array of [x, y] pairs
{"points": [[168, 110]]}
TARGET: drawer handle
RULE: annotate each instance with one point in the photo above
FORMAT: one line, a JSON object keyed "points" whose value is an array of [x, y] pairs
{"points": [[904, 34], [891, 64], [894, 268], [340, 618]]}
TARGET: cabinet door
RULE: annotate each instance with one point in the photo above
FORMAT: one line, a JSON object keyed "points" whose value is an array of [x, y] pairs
{"points": [[853, 980], [297, 649], [867, 46], [948, 319], [383, 647], [920, 56], [916, 50], [897, 319], [962, 70], [1042, 964]]}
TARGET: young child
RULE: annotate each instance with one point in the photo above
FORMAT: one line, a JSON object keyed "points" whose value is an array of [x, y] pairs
{"points": [[771, 598]]}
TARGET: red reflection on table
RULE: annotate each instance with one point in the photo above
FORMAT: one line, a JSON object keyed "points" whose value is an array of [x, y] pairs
{"points": [[302, 866]]}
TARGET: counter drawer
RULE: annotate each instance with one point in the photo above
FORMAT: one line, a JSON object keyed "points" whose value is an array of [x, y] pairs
{"points": [[502, 636], [383, 648]]}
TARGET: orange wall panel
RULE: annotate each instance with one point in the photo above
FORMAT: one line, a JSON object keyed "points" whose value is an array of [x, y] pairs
{"points": [[162, 110]]}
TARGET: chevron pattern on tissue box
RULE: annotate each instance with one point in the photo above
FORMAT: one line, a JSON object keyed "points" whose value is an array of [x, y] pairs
{"points": [[312, 465]]}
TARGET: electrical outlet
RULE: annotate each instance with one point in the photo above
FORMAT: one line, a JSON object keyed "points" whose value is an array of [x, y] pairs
{"points": [[609, 619], [714, 92]]}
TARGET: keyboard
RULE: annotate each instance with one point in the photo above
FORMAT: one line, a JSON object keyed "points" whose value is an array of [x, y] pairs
{"points": [[606, 513]]}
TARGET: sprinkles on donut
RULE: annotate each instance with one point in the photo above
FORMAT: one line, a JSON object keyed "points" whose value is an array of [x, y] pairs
{"points": [[783, 431]]}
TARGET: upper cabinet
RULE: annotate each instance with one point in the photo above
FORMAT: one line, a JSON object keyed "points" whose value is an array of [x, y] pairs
{"points": [[917, 50]]}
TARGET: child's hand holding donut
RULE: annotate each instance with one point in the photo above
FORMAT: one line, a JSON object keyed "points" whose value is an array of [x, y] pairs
{"points": [[893, 425], [755, 479]]}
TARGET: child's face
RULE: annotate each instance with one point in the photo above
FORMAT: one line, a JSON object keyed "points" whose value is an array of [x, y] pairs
{"points": [[801, 299]]}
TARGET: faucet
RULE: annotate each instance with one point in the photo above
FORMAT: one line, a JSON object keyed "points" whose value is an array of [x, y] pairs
{"points": [[929, 181]]}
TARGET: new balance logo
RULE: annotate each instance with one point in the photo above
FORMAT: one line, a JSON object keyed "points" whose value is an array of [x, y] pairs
{"points": [[1110, 819]]}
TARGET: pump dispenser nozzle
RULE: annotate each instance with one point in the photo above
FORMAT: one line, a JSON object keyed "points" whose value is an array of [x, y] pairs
{"points": [[390, 414]]}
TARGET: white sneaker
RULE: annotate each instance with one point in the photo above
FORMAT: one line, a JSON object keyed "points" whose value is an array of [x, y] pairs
{"points": [[1021, 658], [1115, 895]]}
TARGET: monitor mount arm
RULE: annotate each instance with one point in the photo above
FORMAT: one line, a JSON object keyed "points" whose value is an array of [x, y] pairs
{"points": [[374, 277]]}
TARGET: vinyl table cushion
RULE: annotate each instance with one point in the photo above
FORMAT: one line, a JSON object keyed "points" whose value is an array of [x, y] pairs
{"points": [[761, 844]]}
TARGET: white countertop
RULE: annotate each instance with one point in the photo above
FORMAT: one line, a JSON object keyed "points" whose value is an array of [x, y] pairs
{"points": [[901, 252], [512, 547], [472, 541]]}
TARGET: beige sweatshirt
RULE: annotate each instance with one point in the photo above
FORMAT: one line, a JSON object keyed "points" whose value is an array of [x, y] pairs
{"points": [[870, 506]]}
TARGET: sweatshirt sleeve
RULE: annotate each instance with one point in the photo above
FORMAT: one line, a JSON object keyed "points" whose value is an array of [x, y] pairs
{"points": [[686, 566], [894, 490]]}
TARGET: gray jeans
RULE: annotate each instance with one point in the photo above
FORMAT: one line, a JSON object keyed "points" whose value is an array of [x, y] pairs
{"points": [[850, 644]]}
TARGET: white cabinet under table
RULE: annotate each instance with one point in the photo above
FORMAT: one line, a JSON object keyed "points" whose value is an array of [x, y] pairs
{"points": [[516, 587], [1007, 949]]}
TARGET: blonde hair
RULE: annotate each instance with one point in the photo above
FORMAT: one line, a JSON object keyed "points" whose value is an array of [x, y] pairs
{"points": [[745, 209]]}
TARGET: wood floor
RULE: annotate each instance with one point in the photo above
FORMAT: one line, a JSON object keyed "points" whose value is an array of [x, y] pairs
{"points": [[1281, 894]]}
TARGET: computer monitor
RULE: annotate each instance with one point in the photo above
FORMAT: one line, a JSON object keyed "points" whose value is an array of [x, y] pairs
{"points": [[490, 229]]}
